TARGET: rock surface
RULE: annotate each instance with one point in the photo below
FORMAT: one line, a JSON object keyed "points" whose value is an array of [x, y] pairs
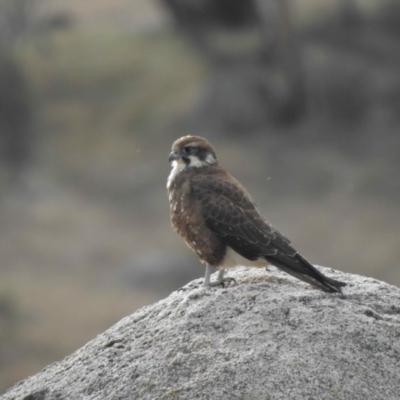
{"points": [[269, 337]]}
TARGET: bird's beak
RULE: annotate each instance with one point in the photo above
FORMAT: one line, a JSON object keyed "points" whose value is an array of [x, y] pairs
{"points": [[173, 156]]}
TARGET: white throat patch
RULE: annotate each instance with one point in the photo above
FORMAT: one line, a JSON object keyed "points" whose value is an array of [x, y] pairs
{"points": [[177, 166]]}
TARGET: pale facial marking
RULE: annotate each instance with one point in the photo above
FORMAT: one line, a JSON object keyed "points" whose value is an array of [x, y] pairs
{"points": [[179, 165], [210, 159], [196, 162]]}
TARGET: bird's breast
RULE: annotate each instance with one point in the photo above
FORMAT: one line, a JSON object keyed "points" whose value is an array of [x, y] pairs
{"points": [[188, 221]]}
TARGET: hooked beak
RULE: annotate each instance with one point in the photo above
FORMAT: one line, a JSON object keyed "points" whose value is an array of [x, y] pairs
{"points": [[173, 156]]}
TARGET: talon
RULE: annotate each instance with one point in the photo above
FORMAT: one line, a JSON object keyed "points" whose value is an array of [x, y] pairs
{"points": [[232, 280]]}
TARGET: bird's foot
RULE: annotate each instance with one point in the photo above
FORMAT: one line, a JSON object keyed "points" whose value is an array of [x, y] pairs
{"points": [[224, 282], [221, 281]]}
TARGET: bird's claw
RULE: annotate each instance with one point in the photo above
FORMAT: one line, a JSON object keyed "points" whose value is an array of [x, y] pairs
{"points": [[228, 281]]}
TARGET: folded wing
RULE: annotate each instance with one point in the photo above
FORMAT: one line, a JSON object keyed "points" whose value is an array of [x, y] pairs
{"points": [[230, 213]]}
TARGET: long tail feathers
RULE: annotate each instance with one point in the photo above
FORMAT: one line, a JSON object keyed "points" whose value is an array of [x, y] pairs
{"points": [[300, 268]]}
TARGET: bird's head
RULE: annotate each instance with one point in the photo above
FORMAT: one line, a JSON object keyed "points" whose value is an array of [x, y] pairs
{"points": [[192, 151]]}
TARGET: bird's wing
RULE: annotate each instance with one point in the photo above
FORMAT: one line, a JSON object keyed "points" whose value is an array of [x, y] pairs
{"points": [[230, 212]]}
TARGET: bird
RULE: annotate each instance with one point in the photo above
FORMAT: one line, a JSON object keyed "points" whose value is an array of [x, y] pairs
{"points": [[218, 219]]}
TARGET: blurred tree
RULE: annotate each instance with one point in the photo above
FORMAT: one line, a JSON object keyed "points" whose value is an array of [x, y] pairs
{"points": [[196, 18], [15, 116], [19, 21], [267, 68], [16, 19], [257, 64]]}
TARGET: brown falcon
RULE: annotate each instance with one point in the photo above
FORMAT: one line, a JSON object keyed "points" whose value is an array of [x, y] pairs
{"points": [[219, 220]]}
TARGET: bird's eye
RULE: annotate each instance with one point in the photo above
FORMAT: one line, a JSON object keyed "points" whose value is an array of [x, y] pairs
{"points": [[187, 149]]}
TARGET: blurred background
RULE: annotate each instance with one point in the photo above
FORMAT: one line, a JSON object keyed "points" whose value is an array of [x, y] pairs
{"points": [[300, 98]]}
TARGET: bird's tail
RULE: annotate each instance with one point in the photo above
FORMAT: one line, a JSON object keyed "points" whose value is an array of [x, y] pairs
{"points": [[300, 268]]}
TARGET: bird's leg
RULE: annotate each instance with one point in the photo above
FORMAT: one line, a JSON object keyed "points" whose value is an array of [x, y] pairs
{"points": [[207, 280], [207, 277], [221, 274], [221, 281]]}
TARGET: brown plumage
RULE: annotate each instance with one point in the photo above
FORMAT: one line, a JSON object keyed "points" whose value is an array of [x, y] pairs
{"points": [[219, 220]]}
